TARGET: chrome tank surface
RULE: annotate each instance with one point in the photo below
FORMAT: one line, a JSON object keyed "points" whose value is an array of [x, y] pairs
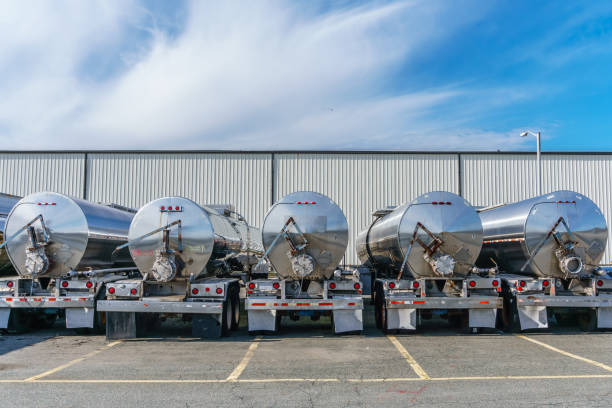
{"points": [[446, 216], [7, 202], [76, 235], [206, 234], [319, 235], [513, 232]]}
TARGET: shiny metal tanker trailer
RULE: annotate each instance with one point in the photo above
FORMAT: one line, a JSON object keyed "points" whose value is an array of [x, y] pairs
{"points": [[7, 202], [62, 250], [189, 257], [548, 249], [422, 255], [305, 236]]}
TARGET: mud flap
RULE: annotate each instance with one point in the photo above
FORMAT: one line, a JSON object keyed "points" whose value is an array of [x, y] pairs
{"points": [[483, 318], [604, 315], [533, 317], [80, 317], [262, 320], [401, 319], [5, 314], [121, 325], [348, 321], [204, 325]]}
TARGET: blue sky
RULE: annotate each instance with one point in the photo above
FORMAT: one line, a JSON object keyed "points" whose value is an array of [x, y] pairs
{"points": [[409, 75]]}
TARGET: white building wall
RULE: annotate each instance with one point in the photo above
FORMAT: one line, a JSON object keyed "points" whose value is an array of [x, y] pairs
{"points": [[25, 173], [130, 179]]}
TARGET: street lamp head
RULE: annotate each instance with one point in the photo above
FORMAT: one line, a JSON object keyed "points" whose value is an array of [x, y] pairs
{"points": [[524, 134]]}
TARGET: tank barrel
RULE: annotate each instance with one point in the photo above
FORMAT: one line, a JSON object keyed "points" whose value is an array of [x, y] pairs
{"points": [[438, 234], [562, 234], [305, 235], [51, 234]]}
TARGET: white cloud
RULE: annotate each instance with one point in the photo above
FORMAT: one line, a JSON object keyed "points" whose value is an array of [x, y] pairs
{"points": [[240, 75]]}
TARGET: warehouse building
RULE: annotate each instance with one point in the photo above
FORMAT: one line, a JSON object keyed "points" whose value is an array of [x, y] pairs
{"points": [[360, 182]]}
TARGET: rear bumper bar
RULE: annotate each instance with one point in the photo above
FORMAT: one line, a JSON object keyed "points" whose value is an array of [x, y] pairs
{"points": [[563, 301], [255, 303], [44, 302], [472, 302], [160, 306]]}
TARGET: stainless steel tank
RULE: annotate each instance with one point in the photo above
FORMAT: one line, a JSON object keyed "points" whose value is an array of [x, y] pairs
{"points": [[560, 234], [7, 202], [315, 238], [173, 237], [448, 236], [48, 234]]}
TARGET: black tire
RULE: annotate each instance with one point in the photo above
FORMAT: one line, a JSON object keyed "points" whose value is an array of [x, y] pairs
{"points": [[381, 309], [587, 320], [45, 321], [226, 316], [235, 294], [377, 308], [20, 321], [508, 316]]}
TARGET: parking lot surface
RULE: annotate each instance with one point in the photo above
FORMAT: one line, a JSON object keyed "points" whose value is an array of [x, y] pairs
{"points": [[305, 365]]}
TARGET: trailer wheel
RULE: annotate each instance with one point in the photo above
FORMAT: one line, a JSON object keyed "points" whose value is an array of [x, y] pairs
{"points": [[235, 295], [587, 320], [226, 316], [20, 321]]}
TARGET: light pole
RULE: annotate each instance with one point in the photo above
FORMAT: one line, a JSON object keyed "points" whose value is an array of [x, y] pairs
{"points": [[537, 135]]}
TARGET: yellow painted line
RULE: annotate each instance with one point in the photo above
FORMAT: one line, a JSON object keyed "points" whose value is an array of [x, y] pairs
{"points": [[335, 380], [565, 353], [270, 380], [415, 366], [71, 363], [245, 361]]}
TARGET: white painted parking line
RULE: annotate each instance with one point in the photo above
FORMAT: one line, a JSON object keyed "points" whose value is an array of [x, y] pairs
{"points": [[71, 363], [415, 366], [244, 362], [565, 353]]}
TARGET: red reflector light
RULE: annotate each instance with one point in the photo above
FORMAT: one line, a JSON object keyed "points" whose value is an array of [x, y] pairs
{"points": [[299, 202], [448, 203], [472, 284], [39, 203], [133, 291], [64, 284], [176, 208], [276, 285], [391, 285], [599, 282], [332, 285], [415, 284], [313, 202], [545, 283], [251, 285], [208, 290], [435, 203], [9, 284], [357, 285], [495, 283], [111, 290], [52, 203], [89, 284], [219, 291], [163, 207], [195, 291], [574, 202], [522, 283]]}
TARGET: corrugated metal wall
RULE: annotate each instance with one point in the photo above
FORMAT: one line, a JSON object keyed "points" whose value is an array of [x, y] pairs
{"points": [[362, 183], [358, 182], [25, 173], [243, 180]]}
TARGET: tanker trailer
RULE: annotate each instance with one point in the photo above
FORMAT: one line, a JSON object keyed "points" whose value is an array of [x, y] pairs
{"points": [[189, 257], [7, 202], [305, 236], [62, 250], [549, 248], [422, 256]]}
